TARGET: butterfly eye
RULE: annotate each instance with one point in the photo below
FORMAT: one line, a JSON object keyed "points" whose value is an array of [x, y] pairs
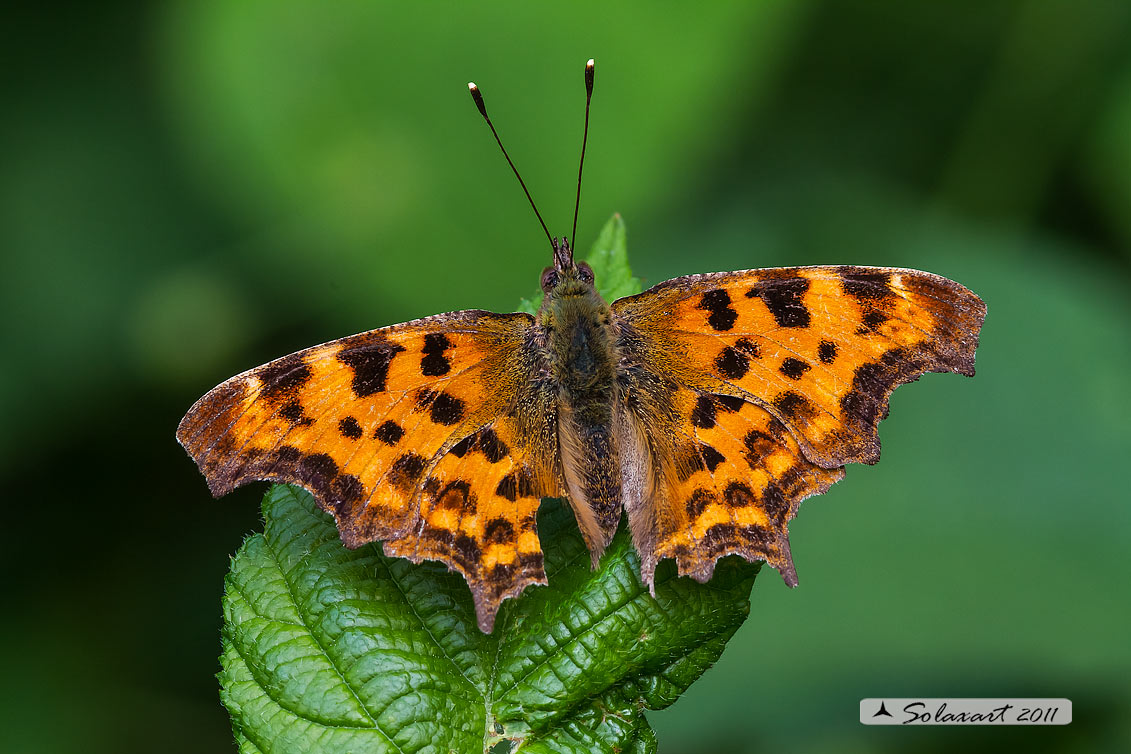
{"points": [[585, 272], [549, 279]]}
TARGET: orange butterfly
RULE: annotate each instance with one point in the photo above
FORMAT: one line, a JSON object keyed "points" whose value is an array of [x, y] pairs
{"points": [[706, 408]]}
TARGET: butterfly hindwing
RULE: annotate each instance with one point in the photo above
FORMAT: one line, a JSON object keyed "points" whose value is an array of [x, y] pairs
{"points": [[406, 434], [771, 381], [730, 484], [478, 514]]}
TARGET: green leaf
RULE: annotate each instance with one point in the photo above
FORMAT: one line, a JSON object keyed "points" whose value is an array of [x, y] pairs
{"points": [[609, 259], [333, 650]]}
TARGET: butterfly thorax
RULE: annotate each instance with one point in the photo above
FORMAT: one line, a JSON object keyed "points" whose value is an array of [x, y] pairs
{"points": [[577, 331], [580, 343]]}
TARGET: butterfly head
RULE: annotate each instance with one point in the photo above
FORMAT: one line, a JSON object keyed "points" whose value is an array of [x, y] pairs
{"points": [[570, 295], [565, 278]]}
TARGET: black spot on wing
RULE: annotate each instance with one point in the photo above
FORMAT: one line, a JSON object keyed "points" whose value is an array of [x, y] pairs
{"points": [[864, 284], [703, 415], [698, 502], [719, 536], [405, 471], [758, 446], [782, 297], [446, 409], [722, 315], [292, 412], [491, 446], [516, 484], [389, 433], [794, 405], [729, 403], [288, 455], [707, 407], [711, 457], [459, 450], [775, 503], [732, 364], [499, 531], [283, 377], [873, 293], [693, 458], [760, 539], [369, 358], [827, 351], [349, 428], [467, 550], [794, 368], [872, 320], [317, 470], [748, 347], [738, 495], [500, 573], [486, 441], [443, 407], [434, 363]]}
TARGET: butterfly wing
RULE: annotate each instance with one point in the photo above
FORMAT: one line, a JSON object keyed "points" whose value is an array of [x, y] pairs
{"points": [[432, 436], [760, 385]]}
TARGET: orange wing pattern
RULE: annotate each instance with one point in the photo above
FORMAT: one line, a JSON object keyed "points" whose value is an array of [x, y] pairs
{"points": [[431, 436], [774, 380], [731, 483]]}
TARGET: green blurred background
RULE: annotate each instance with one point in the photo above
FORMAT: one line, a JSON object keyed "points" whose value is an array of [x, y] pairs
{"points": [[192, 188]]}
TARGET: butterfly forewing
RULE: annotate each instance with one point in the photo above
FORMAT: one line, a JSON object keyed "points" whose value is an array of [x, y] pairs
{"points": [[406, 434], [821, 348]]}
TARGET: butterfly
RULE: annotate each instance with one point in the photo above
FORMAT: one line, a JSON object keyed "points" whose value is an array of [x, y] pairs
{"points": [[705, 409]]}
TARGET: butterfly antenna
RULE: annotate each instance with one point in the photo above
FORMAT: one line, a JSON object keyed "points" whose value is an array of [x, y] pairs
{"points": [[478, 97], [584, 139]]}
